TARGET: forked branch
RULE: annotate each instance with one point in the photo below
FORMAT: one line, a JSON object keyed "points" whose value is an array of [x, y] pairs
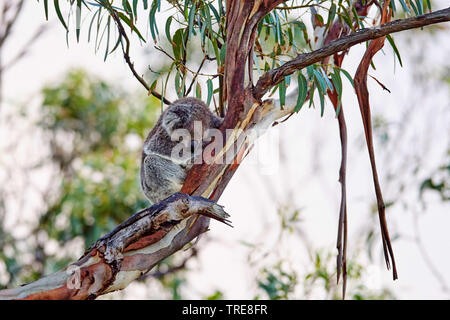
{"points": [[275, 76]]}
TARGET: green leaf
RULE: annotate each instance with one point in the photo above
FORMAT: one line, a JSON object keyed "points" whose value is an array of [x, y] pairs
{"points": [[419, 4], [46, 9], [309, 71], [325, 77], [198, 91], [392, 6], [429, 5], [125, 19], [126, 6], [279, 38], [302, 92], [92, 22], [311, 94], [282, 93], [394, 47], [337, 82], [78, 20], [216, 50], [178, 44], [300, 25], [108, 32], [414, 8], [322, 104], [223, 52], [331, 15], [216, 14], [323, 86], [405, 8], [345, 15], [349, 77], [135, 3], [191, 20], [152, 21], [168, 22], [119, 40], [59, 14], [355, 13], [210, 91], [178, 87], [208, 18]]}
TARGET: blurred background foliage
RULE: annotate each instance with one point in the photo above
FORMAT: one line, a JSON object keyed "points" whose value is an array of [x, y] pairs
{"points": [[90, 126], [92, 132]]}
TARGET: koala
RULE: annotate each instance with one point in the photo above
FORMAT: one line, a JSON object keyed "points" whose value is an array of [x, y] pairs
{"points": [[162, 174]]}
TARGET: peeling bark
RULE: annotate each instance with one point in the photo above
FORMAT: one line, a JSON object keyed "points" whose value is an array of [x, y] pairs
{"points": [[130, 250]]}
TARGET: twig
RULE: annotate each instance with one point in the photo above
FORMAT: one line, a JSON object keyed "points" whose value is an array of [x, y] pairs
{"points": [[126, 55], [275, 76], [195, 76], [184, 66]]}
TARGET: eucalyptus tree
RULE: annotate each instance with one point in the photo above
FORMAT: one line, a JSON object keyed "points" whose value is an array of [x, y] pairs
{"points": [[252, 50]]}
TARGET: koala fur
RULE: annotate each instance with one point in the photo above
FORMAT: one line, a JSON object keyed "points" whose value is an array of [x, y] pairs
{"points": [[161, 175]]}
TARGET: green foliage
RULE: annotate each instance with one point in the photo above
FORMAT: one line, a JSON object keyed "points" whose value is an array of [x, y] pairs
{"points": [[217, 295], [174, 283], [277, 283], [282, 279], [438, 182], [196, 28], [324, 275], [92, 138], [84, 107], [99, 186]]}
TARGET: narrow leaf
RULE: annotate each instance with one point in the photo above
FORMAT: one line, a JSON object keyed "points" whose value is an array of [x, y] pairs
{"points": [[59, 14], [302, 92], [210, 91]]}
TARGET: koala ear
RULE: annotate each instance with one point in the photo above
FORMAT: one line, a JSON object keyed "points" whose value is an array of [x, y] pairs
{"points": [[171, 121]]}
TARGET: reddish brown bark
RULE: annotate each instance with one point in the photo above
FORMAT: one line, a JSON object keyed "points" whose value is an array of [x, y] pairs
{"points": [[363, 99]]}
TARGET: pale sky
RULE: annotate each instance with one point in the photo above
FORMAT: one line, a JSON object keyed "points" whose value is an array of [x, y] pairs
{"points": [[308, 169]]}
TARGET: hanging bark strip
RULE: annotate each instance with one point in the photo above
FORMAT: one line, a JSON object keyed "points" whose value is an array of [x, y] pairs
{"points": [[336, 31], [341, 244], [362, 93]]}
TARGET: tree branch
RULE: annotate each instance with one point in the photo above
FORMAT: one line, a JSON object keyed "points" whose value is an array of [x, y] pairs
{"points": [[126, 55], [275, 76], [130, 250]]}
